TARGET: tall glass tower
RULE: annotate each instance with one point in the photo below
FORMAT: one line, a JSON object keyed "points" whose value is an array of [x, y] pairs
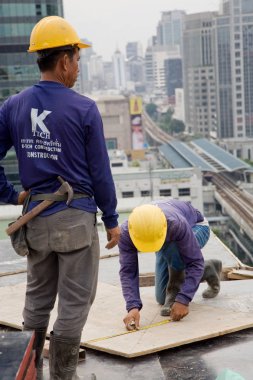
{"points": [[199, 75], [17, 67], [170, 29], [234, 52], [17, 18], [119, 69]]}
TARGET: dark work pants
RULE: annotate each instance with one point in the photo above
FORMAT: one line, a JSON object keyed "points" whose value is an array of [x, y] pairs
{"points": [[63, 260], [169, 256]]}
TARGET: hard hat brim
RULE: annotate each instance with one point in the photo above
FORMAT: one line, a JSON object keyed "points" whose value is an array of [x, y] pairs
{"points": [[147, 247], [81, 45]]}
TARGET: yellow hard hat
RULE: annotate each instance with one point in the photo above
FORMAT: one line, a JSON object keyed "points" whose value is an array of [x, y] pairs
{"points": [[147, 227], [51, 32]]}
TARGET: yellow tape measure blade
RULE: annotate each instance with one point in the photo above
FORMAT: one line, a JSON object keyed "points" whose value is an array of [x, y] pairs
{"points": [[132, 331]]}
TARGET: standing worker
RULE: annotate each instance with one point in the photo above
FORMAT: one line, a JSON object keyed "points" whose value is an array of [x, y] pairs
{"points": [[176, 231], [57, 132]]}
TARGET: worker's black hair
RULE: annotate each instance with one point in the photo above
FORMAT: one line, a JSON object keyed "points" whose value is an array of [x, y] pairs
{"points": [[47, 59]]}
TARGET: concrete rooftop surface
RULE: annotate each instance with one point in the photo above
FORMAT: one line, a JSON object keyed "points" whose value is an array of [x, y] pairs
{"points": [[203, 360]]}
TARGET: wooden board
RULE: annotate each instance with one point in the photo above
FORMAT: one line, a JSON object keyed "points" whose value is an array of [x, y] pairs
{"points": [[106, 316], [216, 249], [240, 274], [234, 296]]}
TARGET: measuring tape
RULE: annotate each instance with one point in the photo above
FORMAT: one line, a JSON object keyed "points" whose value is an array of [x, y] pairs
{"points": [[131, 331]]}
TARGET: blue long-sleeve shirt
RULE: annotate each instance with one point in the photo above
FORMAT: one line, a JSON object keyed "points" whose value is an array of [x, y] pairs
{"points": [[57, 132], [181, 217]]}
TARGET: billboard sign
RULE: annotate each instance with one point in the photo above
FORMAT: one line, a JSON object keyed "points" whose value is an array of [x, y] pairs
{"points": [[135, 105]]}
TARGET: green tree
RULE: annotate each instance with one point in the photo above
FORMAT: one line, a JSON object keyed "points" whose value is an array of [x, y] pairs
{"points": [[177, 126], [165, 121], [151, 110], [248, 161]]}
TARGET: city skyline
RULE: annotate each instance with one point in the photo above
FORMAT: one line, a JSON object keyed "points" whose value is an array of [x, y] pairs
{"points": [[106, 24]]}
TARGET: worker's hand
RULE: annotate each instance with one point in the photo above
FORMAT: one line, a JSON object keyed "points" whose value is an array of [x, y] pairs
{"points": [[132, 320], [113, 235], [178, 311], [21, 197]]}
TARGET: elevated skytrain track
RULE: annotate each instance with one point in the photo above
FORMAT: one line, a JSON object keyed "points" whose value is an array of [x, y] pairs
{"points": [[153, 131], [238, 203]]}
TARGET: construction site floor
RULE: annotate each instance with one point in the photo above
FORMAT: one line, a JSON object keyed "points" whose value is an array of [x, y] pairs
{"points": [[204, 360], [198, 361]]}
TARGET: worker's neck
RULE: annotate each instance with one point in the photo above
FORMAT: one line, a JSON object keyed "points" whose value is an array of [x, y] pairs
{"points": [[52, 77]]}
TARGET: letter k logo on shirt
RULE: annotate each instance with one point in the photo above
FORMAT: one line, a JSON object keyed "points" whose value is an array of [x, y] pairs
{"points": [[38, 120]]}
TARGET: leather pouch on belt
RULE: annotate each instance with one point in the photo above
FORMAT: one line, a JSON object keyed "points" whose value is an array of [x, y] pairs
{"points": [[18, 238], [18, 241]]}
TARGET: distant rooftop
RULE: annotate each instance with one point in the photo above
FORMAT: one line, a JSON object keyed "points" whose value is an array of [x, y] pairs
{"points": [[222, 157], [202, 154], [175, 159], [193, 158], [103, 97]]}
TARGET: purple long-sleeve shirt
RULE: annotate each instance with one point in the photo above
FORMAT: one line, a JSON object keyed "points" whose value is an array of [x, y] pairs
{"points": [[181, 217], [57, 132]]}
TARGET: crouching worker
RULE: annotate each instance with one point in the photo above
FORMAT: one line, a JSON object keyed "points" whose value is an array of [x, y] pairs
{"points": [[176, 231]]}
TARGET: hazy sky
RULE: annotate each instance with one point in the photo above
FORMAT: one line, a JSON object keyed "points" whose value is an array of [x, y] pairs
{"points": [[109, 24]]}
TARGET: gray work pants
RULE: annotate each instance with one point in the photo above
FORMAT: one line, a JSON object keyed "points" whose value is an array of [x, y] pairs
{"points": [[63, 260]]}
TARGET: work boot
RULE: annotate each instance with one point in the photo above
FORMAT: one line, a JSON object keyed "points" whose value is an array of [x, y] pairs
{"points": [[39, 341], [176, 278], [212, 275], [63, 357]]}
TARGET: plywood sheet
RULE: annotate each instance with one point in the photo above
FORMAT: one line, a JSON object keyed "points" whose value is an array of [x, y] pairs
{"points": [[203, 323], [234, 296], [240, 274], [215, 249], [108, 311]]}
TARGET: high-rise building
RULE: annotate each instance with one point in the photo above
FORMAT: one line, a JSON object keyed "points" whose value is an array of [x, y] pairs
{"points": [[135, 75], [96, 72], [108, 75], [167, 44], [179, 110], [135, 71], [17, 18], [149, 72], [155, 70], [83, 84], [234, 76], [199, 74], [173, 77], [134, 49], [119, 70], [170, 29]]}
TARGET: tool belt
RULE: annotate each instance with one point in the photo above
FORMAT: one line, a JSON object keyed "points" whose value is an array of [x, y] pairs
{"points": [[18, 238], [56, 197]]}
